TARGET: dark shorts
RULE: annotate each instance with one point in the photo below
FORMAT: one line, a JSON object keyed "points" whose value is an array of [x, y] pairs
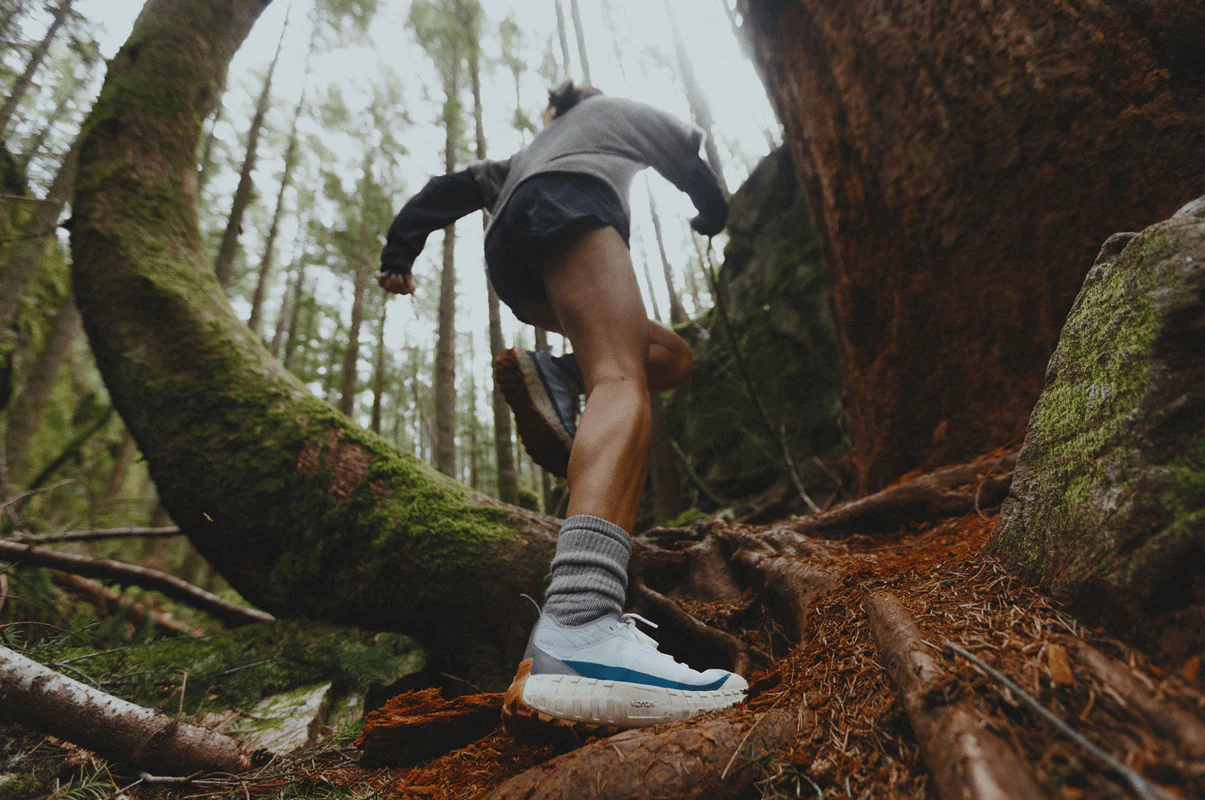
{"points": [[544, 208]]}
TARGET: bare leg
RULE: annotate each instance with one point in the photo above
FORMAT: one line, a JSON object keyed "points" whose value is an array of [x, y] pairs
{"points": [[593, 291], [669, 360]]}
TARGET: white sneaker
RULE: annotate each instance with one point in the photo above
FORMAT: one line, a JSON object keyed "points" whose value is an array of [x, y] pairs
{"points": [[607, 673]]}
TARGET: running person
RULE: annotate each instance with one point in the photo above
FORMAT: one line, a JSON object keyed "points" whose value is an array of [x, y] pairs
{"points": [[556, 251]]}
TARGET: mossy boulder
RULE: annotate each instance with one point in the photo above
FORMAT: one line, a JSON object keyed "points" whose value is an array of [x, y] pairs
{"points": [[1107, 508], [775, 287]]}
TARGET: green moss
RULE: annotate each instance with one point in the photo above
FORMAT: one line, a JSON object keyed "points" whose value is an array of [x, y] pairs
{"points": [[240, 667]]}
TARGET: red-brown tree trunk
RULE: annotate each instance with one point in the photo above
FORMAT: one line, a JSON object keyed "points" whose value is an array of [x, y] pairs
{"points": [[964, 161]]}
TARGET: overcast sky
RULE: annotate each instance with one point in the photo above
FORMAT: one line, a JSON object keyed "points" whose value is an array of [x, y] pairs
{"points": [[638, 63]]}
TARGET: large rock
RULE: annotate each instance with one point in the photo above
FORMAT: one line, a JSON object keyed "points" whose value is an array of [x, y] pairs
{"points": [[1107, 507], [775, 286]]}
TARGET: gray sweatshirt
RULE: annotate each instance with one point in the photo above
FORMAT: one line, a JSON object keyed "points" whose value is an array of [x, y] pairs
{"points": [[611, 138]]}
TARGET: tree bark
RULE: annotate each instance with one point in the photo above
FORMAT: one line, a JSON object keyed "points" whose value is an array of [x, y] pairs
{"points": [[351, 356], [242, 195], [29, 405], [445, 353], [421, 724], [303, 514], [23, 82], [700, 109], [962, 176], [576, 11], [125, 733], [378, 368], [26, 253]]}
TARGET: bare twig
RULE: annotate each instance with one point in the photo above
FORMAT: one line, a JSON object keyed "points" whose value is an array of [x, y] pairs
{"points": [[1141, 786], [129, 574], [24, 537]]}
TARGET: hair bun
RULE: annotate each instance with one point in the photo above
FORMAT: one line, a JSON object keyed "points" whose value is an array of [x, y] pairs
{"points": [[565, 95]]}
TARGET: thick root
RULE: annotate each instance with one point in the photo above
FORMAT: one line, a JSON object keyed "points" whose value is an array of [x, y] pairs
{"points": [[795, 582], [967, 761], [712, 760], [417, 725], [666, 612]]}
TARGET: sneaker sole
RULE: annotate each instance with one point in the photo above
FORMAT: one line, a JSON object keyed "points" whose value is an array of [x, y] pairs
{"points": [[591, 705], [543, 437]]}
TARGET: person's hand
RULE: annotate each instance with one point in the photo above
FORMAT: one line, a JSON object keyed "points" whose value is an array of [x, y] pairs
{"points": [[396, 284]]}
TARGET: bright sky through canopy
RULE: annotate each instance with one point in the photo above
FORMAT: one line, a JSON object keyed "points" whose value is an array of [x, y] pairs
{"points": [[635, 58]]}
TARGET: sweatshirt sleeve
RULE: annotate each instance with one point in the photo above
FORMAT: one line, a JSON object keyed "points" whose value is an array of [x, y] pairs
{"points": [[445, 199]]}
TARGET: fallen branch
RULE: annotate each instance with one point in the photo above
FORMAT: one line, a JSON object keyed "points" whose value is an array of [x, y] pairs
{"points": [[114, 728], [966, 760], [665, 611], [92, 535], [685, 761], [131, 575], [1141, 786], [114, 604], [931, 496], [797, 583], [418, 725], [1185, 729]]}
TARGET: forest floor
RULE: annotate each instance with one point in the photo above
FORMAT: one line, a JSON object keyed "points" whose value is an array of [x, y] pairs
{"points": [[857, 740]]}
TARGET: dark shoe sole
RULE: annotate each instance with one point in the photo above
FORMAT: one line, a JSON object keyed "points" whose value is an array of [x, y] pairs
{"points": [[543, 437]]}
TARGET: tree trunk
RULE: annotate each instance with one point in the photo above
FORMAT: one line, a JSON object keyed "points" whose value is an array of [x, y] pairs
{"points": [[286, 179], [26, 253], [25, 414], [677, 314], [378, 368], [581, 41], [23, 82], [563, 34], [960, 199], [445, 353], [508, 487], [351, 356], [242, 195], [700, 110], [303, 514], [295, 315]]}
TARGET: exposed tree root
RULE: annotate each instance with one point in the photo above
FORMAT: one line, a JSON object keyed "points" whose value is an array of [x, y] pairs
{"points": [[665, 611], [965, 759], [983, 485], [1184, 729], [128, 734], [131, 575], [795, 582], [98, 534], [113, 603], [683, 761], [417, 725]]}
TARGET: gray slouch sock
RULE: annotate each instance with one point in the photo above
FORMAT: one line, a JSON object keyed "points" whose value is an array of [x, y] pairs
{"points": [[589, 571]]}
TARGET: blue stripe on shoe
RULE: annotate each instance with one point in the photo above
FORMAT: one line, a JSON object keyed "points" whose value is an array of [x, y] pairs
{"points": [[603, 672]]}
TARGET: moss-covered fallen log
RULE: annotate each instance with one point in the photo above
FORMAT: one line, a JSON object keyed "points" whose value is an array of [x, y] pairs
{"points": [[301, 511]]}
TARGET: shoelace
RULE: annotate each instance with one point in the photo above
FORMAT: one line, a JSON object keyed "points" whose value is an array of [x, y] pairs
{"points": [[628, 621]]}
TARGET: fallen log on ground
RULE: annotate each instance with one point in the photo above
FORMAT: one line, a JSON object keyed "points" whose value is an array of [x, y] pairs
{"points": [[417, 725], [966, 760], [714, 759], [128, 734], [111, 603], [131, 575], [983, 485], [98, 534], [1182, 727]]}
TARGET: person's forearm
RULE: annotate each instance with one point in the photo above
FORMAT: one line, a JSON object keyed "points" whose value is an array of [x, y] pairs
{"points": [[445, 199]]}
